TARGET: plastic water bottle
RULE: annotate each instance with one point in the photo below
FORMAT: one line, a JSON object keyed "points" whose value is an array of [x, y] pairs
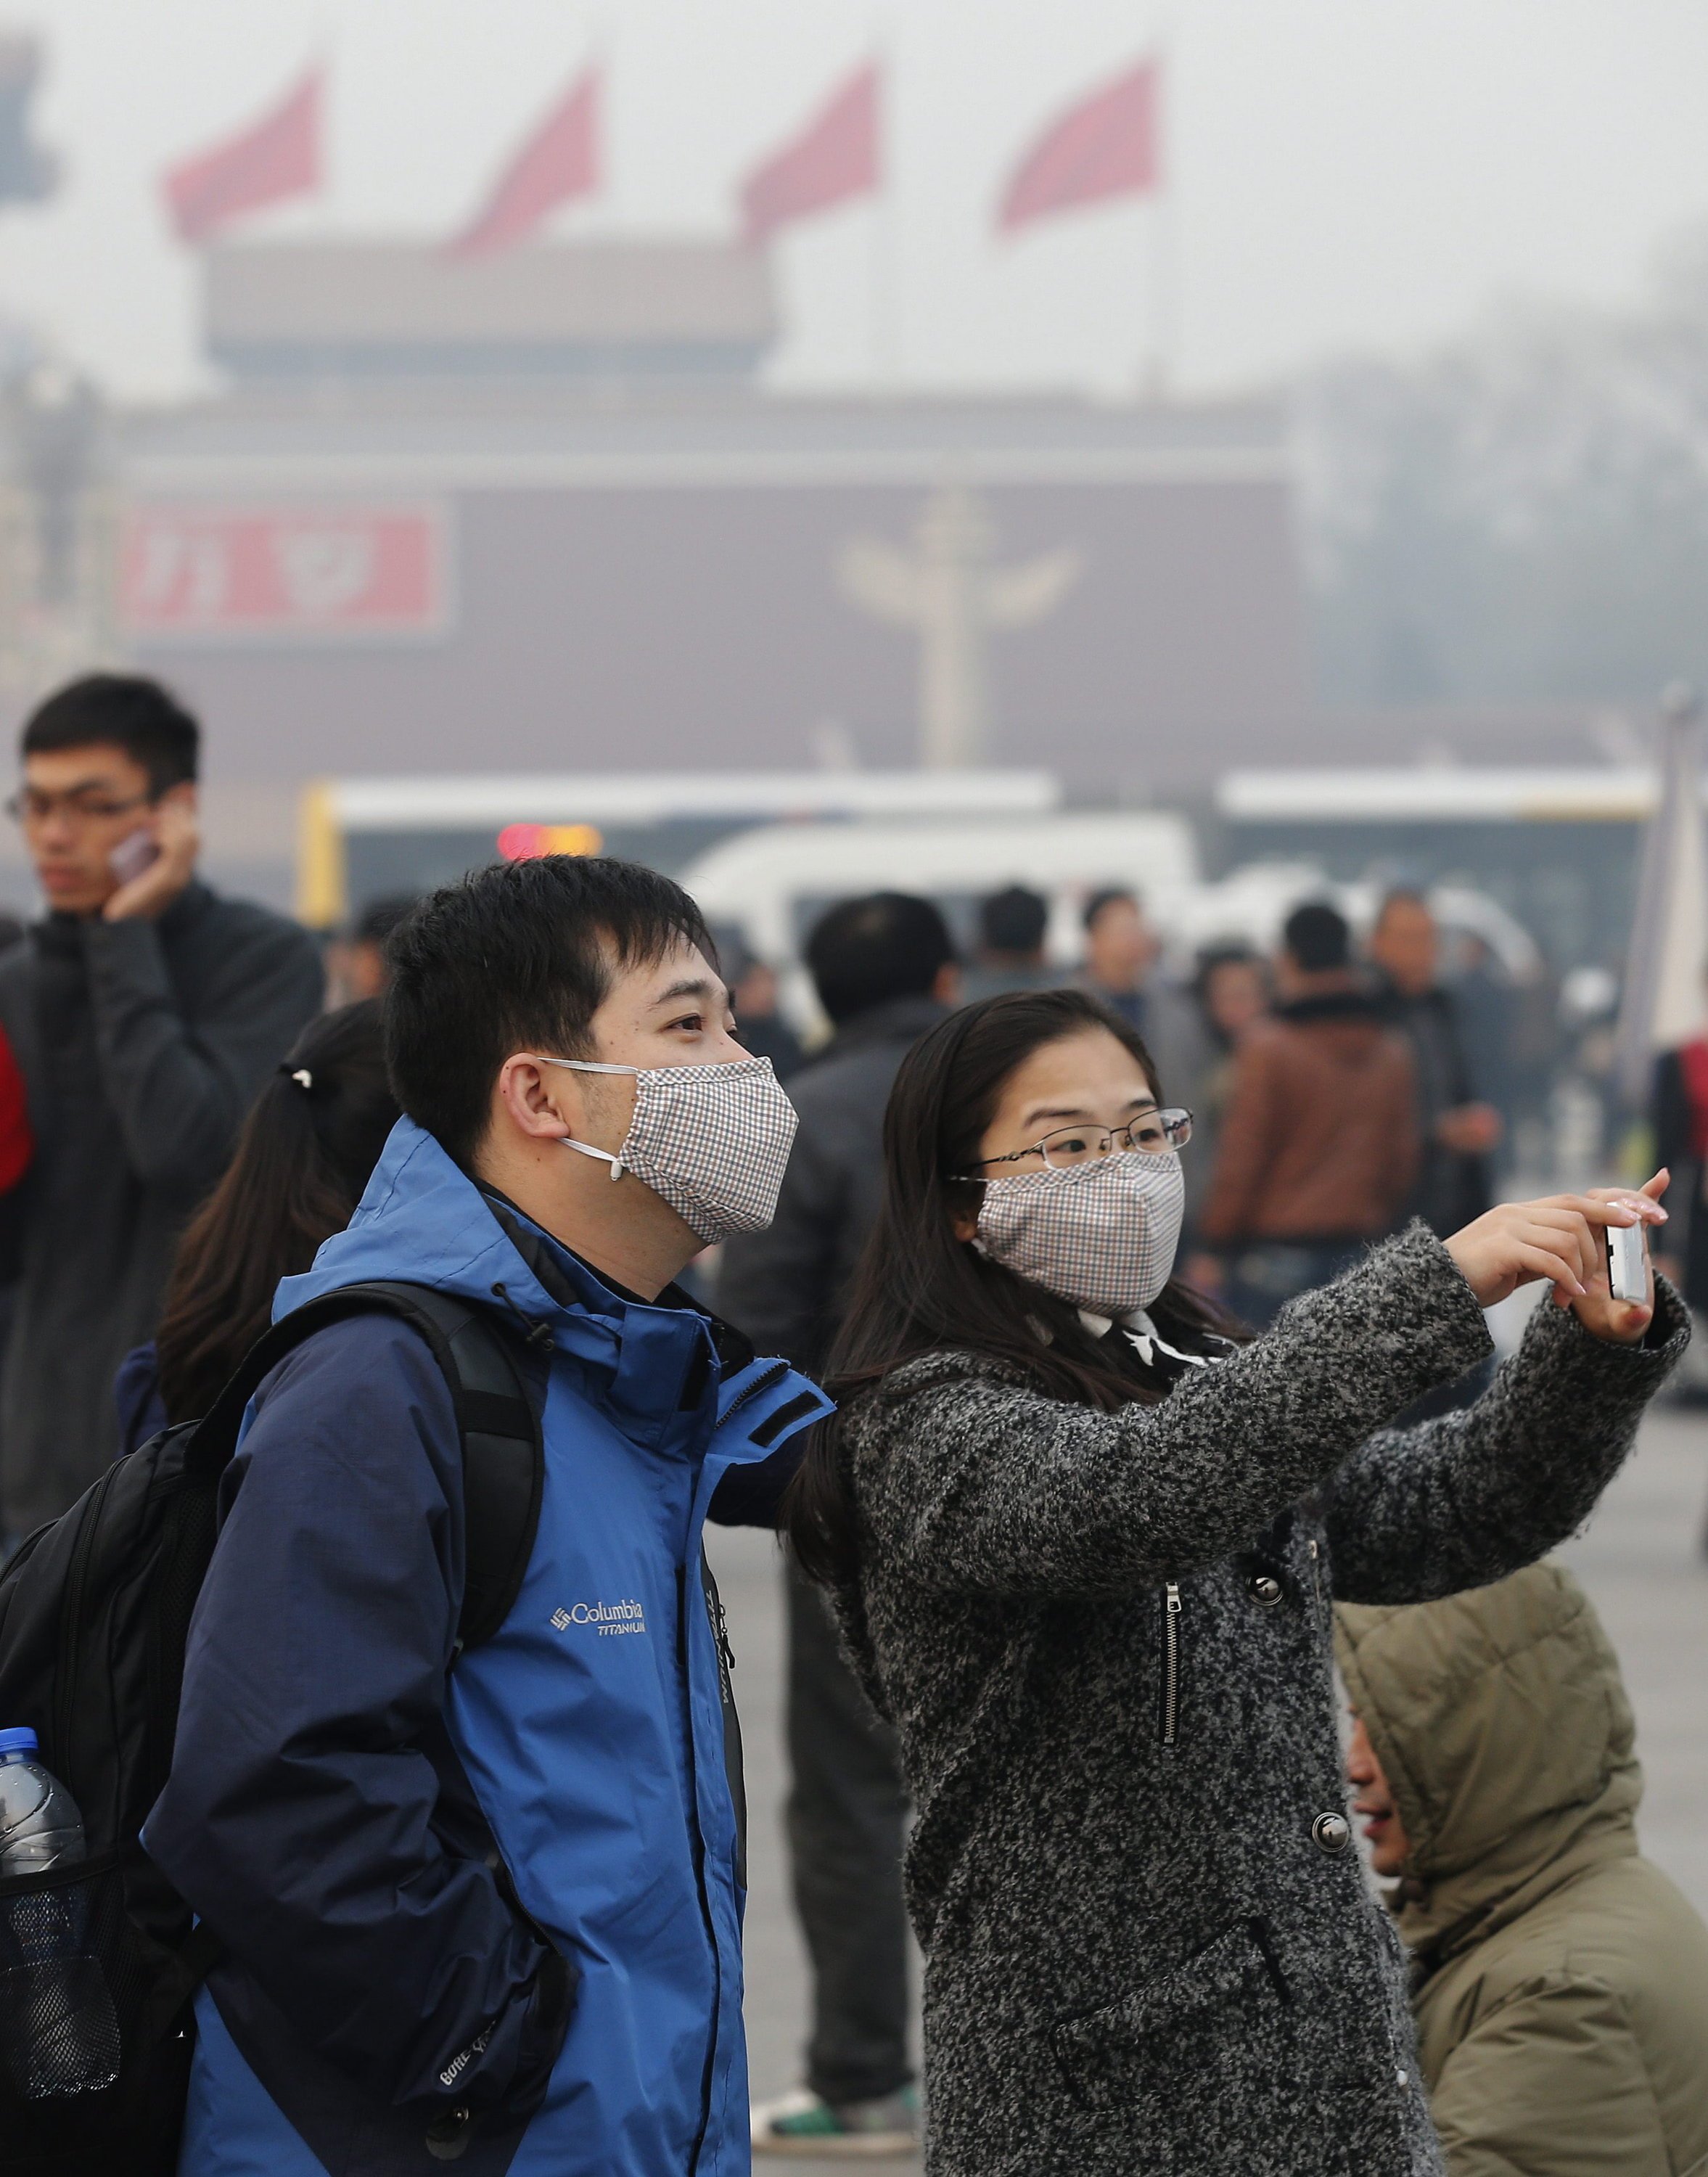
{"points": [[60, 2034]]}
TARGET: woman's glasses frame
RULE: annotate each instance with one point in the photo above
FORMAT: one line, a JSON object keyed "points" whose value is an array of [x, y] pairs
{"points": [[1173, 1127]]}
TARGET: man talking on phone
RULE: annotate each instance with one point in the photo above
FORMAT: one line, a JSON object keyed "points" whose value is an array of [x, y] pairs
{"points": [[144, 1011]]}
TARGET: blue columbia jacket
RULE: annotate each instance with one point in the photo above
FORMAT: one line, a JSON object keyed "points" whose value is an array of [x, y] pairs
{"points": [[483, 1907]]}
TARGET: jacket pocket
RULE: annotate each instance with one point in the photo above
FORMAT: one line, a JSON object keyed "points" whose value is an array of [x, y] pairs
{"points": [[1201, 2026]]}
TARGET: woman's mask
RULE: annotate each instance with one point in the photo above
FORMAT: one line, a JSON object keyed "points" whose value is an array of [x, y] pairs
{"points": [[1101, 1235], [713, 1141]]}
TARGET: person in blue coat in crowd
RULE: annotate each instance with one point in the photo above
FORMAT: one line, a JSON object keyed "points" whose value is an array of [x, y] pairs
{"points": [[486, 1906]]}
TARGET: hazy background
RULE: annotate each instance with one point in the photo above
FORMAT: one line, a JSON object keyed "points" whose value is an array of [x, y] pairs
{"points": [[1424, 478], [1344, 175]]}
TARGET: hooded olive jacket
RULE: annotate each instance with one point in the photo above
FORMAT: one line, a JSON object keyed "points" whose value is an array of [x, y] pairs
{"points": [[1105, 1640], [1562, 2004]]}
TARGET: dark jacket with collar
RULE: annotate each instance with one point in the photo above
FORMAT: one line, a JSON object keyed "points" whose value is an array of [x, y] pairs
{"points": [[142, 1044], [785, 1286], [1452, 1186], [1105, 1640]]}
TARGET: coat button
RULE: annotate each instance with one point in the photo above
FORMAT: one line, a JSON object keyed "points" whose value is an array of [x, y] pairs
{"points": [[1331, 1833], [1266, 1589]]}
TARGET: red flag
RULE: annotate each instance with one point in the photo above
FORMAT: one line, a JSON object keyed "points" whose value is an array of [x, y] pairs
{"points": [[559, 161], [1108, 145], [279, 157], [834, 157]]}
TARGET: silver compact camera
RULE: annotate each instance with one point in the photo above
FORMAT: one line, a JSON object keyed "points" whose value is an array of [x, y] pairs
{"points": [[1628, 1274]]}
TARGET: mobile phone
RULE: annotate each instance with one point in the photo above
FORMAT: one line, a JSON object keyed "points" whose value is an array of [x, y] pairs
{"points": [[1628, 1274], [133, 854]]}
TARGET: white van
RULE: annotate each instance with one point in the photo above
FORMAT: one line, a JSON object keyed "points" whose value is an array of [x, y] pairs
{"points": [[772, 884]]}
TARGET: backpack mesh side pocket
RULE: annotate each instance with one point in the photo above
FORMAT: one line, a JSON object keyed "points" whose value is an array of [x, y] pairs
{"points": [[75, 1977]]}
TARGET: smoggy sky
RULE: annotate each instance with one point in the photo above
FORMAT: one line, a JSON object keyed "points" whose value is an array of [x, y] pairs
{"points": [[1345, 172]]}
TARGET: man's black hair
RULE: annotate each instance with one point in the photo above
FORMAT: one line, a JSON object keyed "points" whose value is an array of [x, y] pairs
{"points": [[863, 952], [519, 957], [119, 710], [1317, 937], [378, 917], [1106, 895], [1013, 920]]}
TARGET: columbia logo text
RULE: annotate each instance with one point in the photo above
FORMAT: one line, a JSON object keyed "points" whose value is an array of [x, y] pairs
{"points": [[606, 1618]]}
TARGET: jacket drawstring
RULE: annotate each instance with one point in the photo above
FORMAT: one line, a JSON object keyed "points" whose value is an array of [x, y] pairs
{"points": [[535, 1331]]}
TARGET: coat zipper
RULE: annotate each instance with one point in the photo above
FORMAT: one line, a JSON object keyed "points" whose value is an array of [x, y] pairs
{"points": [[726, 1654], [733, 1763], [1170, 1663], [762, 1381], [725, 1657], [697, 1837], [698, 1842]]}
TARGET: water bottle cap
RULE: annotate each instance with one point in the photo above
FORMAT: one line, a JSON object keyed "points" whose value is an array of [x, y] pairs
{"points": [[23, 1740]]}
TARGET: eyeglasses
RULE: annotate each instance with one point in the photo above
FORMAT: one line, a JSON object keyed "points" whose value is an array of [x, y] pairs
{"points": [[1152, 1133], [33, 807]]}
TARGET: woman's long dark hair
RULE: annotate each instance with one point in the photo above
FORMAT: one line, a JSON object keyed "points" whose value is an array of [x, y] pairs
{"points": [[306, 1153], [920, 1288]]}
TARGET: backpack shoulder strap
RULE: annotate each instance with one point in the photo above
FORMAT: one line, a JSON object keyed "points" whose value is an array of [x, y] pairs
{"points": [[503, 1448], [503, 1465]]}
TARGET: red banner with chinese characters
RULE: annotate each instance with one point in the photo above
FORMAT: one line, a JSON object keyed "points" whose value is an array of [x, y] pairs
{"points": [[191, 570]]}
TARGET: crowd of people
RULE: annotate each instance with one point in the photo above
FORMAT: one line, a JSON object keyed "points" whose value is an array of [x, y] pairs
{"points": [[1151, 1314]]}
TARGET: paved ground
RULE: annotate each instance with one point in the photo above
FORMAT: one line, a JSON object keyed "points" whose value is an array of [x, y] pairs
{"points": [[748, 1574], [1640, 1559]]}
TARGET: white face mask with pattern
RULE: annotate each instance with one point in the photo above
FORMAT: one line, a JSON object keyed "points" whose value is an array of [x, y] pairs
{"points": [[1102, 1235], [713, 1141]]}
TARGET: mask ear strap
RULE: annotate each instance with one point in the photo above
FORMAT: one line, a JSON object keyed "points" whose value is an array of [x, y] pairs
{"points": [[583, 1065], [587, 1148]]}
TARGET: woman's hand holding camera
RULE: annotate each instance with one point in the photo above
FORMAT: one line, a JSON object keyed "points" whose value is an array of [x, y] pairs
{"points": [[1560, 1240]]}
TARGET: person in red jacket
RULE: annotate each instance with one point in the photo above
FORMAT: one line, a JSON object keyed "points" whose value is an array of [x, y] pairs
{"points": [[17, 1141]]}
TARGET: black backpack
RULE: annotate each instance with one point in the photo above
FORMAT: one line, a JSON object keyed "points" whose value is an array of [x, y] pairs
{"points": [[95, 1611]]}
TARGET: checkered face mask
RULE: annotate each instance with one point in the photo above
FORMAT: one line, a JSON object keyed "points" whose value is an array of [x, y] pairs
{"points": [[712, 1140], [1101, 1235]]}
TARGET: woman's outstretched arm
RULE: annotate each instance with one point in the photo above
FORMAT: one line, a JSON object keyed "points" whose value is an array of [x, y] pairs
{"points": [[1459, 1502], [972, 1483]]}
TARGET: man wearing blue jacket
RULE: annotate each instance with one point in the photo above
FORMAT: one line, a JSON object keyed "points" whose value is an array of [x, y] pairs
{"points": [[486, 1906]]}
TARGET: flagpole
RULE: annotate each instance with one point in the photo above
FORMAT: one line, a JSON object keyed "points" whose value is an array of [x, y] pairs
{"points": [[1158, 371], [598, 64], [886, 298]]}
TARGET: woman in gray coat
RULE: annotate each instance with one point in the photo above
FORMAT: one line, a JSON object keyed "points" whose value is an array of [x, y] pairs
{"points": [[1085, 1548]]}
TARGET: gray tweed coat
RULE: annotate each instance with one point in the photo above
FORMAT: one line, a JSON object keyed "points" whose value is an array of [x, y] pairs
{"points": [[1106, 1642]]}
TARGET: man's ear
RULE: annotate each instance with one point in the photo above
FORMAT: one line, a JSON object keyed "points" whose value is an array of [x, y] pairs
{"points": [[535, 1101], [186, 794], [946, 984]]}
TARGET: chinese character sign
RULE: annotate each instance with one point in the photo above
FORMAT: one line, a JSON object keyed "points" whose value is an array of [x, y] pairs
{"points": [[283, 570]]}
